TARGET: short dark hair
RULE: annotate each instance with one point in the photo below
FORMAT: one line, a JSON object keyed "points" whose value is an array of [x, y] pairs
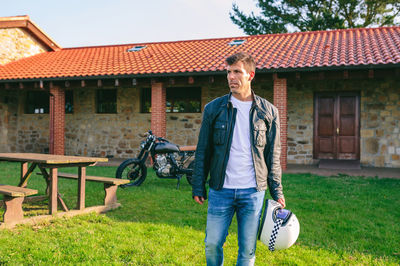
{"points": [[245, 58]]}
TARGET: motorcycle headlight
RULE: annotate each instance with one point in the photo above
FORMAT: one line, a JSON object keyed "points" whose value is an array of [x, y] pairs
{"points": [[142, 144]]}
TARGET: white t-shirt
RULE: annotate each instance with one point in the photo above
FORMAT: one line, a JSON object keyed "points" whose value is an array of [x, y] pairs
{"points": [[240, 169]]}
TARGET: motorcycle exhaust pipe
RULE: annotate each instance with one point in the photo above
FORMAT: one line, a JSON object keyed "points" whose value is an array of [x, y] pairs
{"points": [[186, 171]]}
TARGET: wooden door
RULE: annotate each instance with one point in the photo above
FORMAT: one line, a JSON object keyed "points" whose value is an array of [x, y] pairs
{"points": [[337, 126]]}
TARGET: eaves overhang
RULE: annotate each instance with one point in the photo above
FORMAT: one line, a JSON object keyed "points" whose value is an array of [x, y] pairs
{"points": [[25, 23], [205, 73], [328, 68]]}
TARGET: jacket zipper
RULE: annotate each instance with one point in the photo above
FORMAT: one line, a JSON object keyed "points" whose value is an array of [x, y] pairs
{"points": [[252, 141]]}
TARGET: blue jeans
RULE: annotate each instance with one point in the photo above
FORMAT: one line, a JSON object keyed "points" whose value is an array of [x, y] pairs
{"points": [[222, 205]]}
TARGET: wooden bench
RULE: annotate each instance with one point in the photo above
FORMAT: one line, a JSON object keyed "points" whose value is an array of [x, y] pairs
{"points": [[13, 198], [110, 185]]}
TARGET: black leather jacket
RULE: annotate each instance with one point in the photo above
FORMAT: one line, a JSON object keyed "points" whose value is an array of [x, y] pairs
{"points": [[215, 139]]}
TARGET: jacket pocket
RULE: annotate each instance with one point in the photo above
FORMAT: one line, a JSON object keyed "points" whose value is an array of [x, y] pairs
{"points": [[219, 133], [260, 131]]}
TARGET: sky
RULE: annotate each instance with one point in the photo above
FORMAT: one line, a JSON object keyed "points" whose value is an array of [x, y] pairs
{"points": [[75, 23]]}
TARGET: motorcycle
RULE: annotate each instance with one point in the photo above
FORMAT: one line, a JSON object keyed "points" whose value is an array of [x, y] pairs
{"points": [[168, 159]]}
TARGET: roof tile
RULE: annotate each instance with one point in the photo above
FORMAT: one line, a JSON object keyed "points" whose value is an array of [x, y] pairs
{"points": [[352, 47]]}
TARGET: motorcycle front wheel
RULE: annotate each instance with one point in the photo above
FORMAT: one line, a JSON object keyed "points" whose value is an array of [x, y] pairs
{"points": [[133, 170]]}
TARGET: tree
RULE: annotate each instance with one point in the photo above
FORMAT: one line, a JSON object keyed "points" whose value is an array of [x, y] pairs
{"points": [[279, 16]]}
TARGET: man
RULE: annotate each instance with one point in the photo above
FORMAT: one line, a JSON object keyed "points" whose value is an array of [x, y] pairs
{"points": [[239, 145]]}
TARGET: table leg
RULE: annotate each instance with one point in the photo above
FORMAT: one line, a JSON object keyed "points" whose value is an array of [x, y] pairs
{"points": [[46, 178], [53, 191], [62, 203], [26, 173], [24, 169], [81, 187]]}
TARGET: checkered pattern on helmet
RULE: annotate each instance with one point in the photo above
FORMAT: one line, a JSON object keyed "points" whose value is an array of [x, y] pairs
{"points": [[274, 234]]}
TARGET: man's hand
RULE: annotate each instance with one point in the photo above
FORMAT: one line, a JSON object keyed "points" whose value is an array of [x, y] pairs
{"points": [[281, 201], [199, 200]]}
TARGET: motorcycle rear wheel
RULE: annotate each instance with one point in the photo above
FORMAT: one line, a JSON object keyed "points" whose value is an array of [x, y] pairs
{"points": [[133, 170]]}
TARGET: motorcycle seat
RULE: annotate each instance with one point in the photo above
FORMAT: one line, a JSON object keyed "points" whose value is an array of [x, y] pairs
{"points": [[187, 148]]}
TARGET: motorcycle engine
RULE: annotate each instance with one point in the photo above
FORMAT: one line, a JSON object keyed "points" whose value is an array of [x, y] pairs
{"points": [[163, 167]]}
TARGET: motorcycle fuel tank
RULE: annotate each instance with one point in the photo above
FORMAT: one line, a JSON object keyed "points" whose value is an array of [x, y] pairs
{"points": [[166, 147]]}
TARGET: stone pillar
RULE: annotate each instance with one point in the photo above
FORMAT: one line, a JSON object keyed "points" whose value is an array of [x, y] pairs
{"points": [[280, 101], [57, 120], [158, 109]]}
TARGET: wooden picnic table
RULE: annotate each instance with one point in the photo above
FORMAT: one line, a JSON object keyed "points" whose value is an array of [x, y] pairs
{"points": [[52, 163]]}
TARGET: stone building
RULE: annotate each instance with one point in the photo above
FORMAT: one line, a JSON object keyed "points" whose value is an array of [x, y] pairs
{"points": [[338, 92]]}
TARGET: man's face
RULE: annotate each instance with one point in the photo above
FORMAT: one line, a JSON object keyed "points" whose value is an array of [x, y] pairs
{"points": [[239, 79]]}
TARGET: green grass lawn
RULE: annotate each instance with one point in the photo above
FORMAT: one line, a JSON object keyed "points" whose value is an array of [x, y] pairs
{"points": [[344, 221]]}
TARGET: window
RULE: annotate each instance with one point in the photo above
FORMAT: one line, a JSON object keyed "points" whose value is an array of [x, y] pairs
{"points": [[69, 102], [106, 101], [137, 48], [183, 100], [179, 100], [145, 97], [236, 42], [37, 102]]}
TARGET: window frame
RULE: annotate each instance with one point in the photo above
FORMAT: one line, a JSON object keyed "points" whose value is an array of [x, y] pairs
{"points": [[171, 104], [71, 97], [106, 97], [33, 106]]}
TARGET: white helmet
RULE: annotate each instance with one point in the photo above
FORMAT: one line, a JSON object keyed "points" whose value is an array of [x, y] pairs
{"points": [[279, 228]]}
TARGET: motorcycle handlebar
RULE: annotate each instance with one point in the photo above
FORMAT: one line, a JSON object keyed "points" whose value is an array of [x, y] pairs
{"points": [[150, 133]]}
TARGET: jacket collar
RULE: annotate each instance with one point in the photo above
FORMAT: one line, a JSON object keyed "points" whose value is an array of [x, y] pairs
{"points": [[256, 99]]}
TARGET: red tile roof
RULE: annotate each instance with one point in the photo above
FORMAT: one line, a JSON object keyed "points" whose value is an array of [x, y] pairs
{"points": [[275, 52]]}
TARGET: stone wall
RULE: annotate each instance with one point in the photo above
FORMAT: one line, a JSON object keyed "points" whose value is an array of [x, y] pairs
{"points": [[114, 135], [4, 122], [8, 120], [379, 119], [300, 123], [16, 44], [26, 132], [380, 126], [119, 135]]}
